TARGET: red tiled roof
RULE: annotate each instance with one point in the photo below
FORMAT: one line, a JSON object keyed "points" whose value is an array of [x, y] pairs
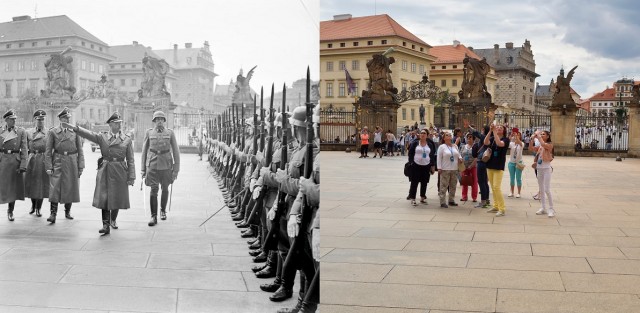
{"points": [[365, 27], [451, 54], [607, 94]]}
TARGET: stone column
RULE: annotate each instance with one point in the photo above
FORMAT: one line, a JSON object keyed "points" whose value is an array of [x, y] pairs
{"points": [[633, 114], [563, 124]]}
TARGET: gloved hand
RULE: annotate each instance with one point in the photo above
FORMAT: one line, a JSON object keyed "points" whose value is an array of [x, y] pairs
{"points": [[49, 172], [175, 176], [315, 244], [292, 226], [21, 170], [79, 172], [305, 185], [143, 174], [130, 182], [271, 214], [252, 184], [281, 175], [256, 192], [264, 171]]}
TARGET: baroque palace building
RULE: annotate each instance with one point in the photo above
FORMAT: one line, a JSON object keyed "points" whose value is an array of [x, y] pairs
{"points": [[348, 42]]}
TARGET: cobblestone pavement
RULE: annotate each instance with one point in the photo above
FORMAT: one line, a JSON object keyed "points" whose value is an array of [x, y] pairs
{"points": [[175, 266], [382, 255]]}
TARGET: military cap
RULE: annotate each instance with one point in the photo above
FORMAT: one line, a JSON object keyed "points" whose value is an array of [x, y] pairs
{"points": [[64, 113], [298, 116], [158, 114], [39, 114], [10, 114], [115, 117]]}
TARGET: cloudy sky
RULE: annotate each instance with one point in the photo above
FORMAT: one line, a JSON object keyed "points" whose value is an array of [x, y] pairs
{"points": [[601, 37], [280, 36]]}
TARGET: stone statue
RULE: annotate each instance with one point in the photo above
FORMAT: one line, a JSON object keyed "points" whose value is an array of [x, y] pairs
{"points": [[243, 90], [380, 86], [474, 83], [59, 76], [562, 89], [421, 110], [154, 72], [635, 95]]}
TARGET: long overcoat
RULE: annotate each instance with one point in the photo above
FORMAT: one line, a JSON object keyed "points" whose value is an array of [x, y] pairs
{"points": [[12, 182], [36, 182], [116, 168], [64, 156]]}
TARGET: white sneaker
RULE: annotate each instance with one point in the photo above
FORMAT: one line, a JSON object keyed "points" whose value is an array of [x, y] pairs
{"points": [[510, 195], [552, 213], [413, 202], [518, 196], [499, 214], [541, 212], [493, 210]]}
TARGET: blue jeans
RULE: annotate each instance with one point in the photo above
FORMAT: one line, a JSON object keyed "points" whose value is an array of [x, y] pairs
{"points": [[483, 180]]}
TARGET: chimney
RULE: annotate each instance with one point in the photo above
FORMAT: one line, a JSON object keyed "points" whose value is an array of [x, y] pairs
{"points": [[175, 54], [21, 18], [188, 45], [509, 45], [456, 43], [135, 43], [527, 45], [206, 45], [342, 17], [496, 53], [470, 48]]}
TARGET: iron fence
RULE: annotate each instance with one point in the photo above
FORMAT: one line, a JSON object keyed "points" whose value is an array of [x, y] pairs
{"points": [[524, 122], [608, 133], [189, 127], [338, 127]]}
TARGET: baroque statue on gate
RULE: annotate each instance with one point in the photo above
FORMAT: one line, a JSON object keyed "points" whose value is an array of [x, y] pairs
{"points": [[154, 72], [59, 76], [243, 90], [562, 89], [474, 83], [380, 86], [635, 95]]}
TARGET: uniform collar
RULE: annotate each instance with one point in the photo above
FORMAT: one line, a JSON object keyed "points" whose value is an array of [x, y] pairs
{"points": [[13, 129], [160, 129], [118, 134]]}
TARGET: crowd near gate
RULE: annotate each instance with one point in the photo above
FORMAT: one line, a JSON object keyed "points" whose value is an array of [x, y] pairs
{"points": [[603, 133], [338, 129]]}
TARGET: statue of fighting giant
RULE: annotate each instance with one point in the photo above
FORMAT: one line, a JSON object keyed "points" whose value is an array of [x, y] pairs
{"points": [[154, 72], [59, 76]]}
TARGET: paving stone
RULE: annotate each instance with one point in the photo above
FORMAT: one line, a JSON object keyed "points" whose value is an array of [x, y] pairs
{"points": [[50, 243], [363, 243], [603, 283], [230, 249], [463, 218], [529, 263], [355, 223], [631, 253], [632, 232], [443, 276], [469, 247], [108, 244], [611, 241], [614, 266], [32, 309], [327, 308], [344, 231], [392, 217], [72, 257], [522, 238], [227, 302], [574, 230], [200, 262], [577, 251], [414, 234], [396, 257], [504, 228], [510, 300], [425, 225], [29, 272], [407, 296], [537, 220], [354, 272]]}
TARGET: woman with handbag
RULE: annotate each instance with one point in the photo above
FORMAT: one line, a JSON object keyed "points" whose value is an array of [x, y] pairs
{"points": [[422, 160], [495, 166], [515, 162], [543, 158], [448, 159], [466, 151]]}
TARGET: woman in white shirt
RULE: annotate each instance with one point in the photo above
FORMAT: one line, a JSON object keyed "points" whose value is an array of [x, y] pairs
{"points": [[544, 156], [422, 157], [515, 174], [448, 159]]}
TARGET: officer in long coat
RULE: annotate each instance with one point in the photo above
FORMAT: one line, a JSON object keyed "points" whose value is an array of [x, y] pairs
{"points": [[13, 162], [116, 170], [64, 162], [36, 180], [160, 164]]}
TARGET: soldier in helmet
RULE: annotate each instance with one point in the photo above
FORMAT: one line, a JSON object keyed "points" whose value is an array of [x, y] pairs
{"points": [[116, 170], [64, 162], [36, 180], [160, 163], [13, 162]]}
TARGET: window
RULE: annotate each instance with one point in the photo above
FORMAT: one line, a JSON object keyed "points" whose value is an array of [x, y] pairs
{"points": [[355, 43], [122, 66], [83, 65], [83, 44], [83, 84], [443, 83], [34, 44], [523, 99], [404, 113], [355, 65], [329, 66], [454, 82], [7, 67], [342, 45], [524, 77], [134, 82], [341, 89], [404, 43], [413, 67], [100, 48], [92, 47], [20, 65], [421, 68], [93, 67], [7, 87], [510, 75], [34, 65], [91, 113], [33, 85], [112, 82], [355, 88], [384, 41], [421, 49], [20, 87], [342, 65], [433, 82], [122, 82], [433, 67], [413, 114], [510, 86], [21, 45], [100, 69], [530, 99], [329, 89], [444, 67], [524, 88], [133, 65], [8, 46], [189, 60], [404, 65], [404, 85], [413, 46], [455, 66], [62, 41], [83, 113], [49, 42], [370, 43], [329, 45]]}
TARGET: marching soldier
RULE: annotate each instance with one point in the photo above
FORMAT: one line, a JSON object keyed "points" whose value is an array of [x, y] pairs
{"points": [[64, 162], [160, 164], [37, 180], [116, 170], [13, 162]]}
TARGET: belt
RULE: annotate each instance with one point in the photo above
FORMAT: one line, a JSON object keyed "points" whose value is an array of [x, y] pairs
{"points": [[36, 151], [159, 152], [109, 159], [7, 151], [65, 152]]}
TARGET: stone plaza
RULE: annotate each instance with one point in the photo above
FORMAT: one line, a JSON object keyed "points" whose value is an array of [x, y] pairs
{"points": [[382, 255], [175, 266]]}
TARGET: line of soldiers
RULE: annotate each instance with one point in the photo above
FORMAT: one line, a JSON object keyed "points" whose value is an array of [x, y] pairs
{"points": [[269, 174], [40, 164]]}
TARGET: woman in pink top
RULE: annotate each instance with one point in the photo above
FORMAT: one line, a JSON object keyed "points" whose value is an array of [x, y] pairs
{"points": [[364, 142]]}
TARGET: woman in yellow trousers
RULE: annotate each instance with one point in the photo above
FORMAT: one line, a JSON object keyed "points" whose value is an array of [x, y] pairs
{"points": [[495, 166]]}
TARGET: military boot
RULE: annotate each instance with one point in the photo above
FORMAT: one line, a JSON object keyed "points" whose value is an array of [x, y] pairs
{"points": [[10, 214], [67, 211], [281, 294], [154, 211], [54, 211], [308, 307], [114, 215], [272, 287], [295, 309], [105, 230]]}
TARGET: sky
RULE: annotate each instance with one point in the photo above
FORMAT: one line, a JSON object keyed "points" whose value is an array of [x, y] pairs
{"points": [[279, 36], [601, 37]]}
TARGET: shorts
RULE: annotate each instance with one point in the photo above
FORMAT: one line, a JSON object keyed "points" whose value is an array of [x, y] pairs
{"points": [[377, 144]]}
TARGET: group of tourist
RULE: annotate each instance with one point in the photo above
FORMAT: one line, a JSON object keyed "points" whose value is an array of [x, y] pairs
{"points": [[477, 159]]}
